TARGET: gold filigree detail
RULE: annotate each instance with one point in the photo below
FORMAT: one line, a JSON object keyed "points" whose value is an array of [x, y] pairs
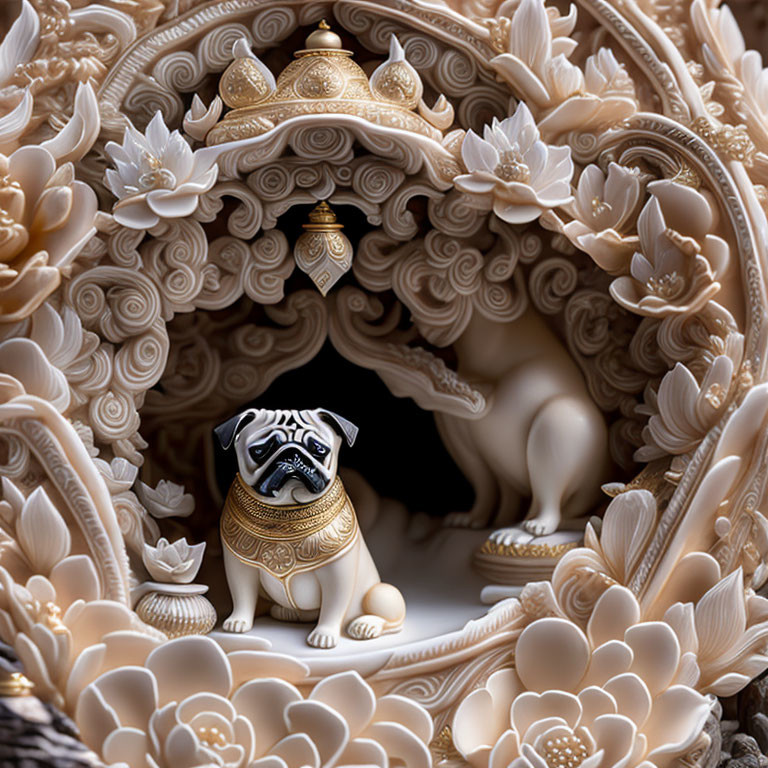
{"points": [[687, 176], [15, 684], [443, 747], [499, 32], [526, 550], [287, 539], [242, 84], [733, 141]]}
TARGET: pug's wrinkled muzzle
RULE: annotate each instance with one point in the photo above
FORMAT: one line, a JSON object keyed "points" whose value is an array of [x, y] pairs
{"points": [[292, 463]]}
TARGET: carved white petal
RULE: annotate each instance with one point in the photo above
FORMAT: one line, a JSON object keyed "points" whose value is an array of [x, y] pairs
{"points": [[126, 745], [81, 131], [75, 578], [401, 745], [675, 722], [297, 750], [627, 525], [399, 709], [551, 653], [615, 611], [350, 696], [721, 617], [263, 702], [20, 42], [42, 532], [324, 726], [483, 716], [608, 660], [14, 123], [186, 665], [656, 654], [24, 360], [478, 154], [530, 36], [198, 120], [249, 665]]}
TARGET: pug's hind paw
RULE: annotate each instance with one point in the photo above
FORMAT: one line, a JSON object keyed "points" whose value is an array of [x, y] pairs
{"points": [[322, 637], [237, 623], [366, 627]]}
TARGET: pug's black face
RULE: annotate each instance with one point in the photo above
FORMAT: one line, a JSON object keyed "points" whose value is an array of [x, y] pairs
{"points": [[281, 458]]}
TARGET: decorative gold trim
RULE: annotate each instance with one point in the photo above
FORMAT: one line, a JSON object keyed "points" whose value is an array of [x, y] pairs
{"points": [[15, 684], [526, 550], [286, 540]]}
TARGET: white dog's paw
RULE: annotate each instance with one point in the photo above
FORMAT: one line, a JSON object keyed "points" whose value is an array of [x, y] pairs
{"points": [[542, 524], [506, 537], [237, 622], [366, 627], [462, 520], [323, 637]]}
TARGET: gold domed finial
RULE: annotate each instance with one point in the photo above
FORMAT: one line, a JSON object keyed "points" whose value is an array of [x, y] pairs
{"points": [[322, 214], [323, 38]]}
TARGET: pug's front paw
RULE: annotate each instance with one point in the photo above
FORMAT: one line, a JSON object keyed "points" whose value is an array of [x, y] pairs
{"points": [[323, 637], [237, 622]]}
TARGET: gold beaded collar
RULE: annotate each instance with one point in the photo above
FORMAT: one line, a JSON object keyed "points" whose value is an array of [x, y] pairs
{"points": [[287, 539]]}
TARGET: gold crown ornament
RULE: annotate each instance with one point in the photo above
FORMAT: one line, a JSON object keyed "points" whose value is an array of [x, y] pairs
{"points": [[323, 251], [324, 79]]}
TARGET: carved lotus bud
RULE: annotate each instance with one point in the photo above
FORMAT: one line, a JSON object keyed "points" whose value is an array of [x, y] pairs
{"points": [[247, 80], [323, 251], [198, 120], [396, 80], [176, 563]]}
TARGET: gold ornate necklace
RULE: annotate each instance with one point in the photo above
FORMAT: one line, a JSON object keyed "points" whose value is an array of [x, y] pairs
{"points": [[285, 540]]}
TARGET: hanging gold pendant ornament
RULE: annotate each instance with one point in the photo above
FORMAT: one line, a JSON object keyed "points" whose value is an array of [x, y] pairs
{"points": [[323, 251]]}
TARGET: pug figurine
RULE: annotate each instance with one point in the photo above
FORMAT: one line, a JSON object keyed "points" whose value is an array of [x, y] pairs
{"points": [[290, 533]]}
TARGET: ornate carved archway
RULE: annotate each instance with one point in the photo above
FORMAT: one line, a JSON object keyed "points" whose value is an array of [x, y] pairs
{"points": [[620, 201]]}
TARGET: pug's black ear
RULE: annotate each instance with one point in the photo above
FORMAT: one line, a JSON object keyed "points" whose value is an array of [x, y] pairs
{"points": [[343, 426], [227, 431]]}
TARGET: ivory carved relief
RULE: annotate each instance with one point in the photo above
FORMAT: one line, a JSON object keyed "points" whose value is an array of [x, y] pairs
{"points": [[540, 226]]}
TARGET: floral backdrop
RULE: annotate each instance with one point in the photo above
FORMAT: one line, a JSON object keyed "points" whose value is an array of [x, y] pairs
{"points": [[632, 136]]}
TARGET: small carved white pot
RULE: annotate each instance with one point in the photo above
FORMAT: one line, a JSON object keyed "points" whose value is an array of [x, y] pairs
{"points": [[176, 609]]}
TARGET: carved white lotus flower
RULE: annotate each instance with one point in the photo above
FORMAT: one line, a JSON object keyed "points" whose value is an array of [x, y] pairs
{"points": [[46, 217], [178, 711], [683, 411], [176, 563], [676, 270], [513, 172], [608, 697], [722, 628], [158, 175], [52, 620], [167, 499], [602, 208]]}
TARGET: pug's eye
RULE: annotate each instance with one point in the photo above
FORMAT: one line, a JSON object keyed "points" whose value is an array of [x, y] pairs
{"points": [[317, 449], [259, 451]]}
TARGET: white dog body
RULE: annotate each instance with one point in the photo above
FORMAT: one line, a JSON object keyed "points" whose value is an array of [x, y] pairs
{"points": [[542, 436], [290, 532]]}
